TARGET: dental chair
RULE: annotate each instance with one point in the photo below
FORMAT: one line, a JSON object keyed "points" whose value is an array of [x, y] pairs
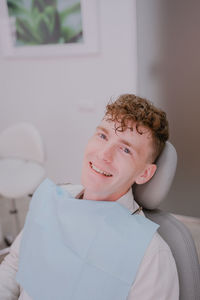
{"points": [[21, 166], [176, 235]]}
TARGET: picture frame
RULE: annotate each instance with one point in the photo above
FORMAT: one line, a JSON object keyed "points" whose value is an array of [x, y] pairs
{"points": [[87, 45]]}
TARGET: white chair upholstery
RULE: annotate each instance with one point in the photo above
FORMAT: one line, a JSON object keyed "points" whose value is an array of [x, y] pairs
{"points": [[22, 140], [19, 177], [21, 162]]}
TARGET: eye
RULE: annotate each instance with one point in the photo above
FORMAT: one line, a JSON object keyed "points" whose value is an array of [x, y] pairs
{"points": [[102, 136], [126, 150]]}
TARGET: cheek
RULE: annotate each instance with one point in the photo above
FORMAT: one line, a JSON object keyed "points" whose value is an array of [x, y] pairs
{"points": [[90, 148], [123, 168], [84, 170], [127, 170], [125, 164]]}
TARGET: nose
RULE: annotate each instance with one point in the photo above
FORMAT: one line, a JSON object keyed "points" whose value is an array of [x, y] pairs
{"points": [[106, 153]]}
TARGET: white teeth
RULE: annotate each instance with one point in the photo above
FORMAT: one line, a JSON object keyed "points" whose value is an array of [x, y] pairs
{"points": [[100, 171]]}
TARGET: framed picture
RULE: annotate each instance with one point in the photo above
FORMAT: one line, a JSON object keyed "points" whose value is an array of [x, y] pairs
{"points": [[48, 27]]}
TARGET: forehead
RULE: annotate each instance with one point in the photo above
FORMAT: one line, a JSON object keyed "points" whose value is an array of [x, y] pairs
{"points": [[132, 131]]}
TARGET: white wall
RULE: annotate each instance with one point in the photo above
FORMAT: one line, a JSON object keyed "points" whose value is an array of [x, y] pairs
{"points": [[65, 96]]}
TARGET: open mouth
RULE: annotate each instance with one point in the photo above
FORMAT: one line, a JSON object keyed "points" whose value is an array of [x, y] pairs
{"points": [[100, 171]]}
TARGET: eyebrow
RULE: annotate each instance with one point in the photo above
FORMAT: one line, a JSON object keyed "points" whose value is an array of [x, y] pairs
{"points": [[126, 143], [103, 129], [121, 140]]}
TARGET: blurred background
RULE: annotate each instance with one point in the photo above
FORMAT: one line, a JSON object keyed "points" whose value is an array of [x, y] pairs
{"points": [[168, 73], [147, 47]]}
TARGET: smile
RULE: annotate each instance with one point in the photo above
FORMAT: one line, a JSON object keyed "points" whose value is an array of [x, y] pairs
{"points": [[100, 171]]}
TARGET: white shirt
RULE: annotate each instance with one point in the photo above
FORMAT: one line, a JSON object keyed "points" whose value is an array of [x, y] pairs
{"points": [[156, 278]]}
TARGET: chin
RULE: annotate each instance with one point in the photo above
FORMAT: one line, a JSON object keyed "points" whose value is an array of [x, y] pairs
{"points": [[93, 187]]}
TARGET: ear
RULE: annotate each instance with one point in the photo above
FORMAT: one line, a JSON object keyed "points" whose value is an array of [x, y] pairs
{"points": [[147, 174]]}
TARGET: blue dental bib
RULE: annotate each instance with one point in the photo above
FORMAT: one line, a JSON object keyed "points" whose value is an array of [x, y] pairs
{"points": [[75, 249]]}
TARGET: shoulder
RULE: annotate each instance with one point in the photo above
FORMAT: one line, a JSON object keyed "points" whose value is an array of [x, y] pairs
{"points": [[158, 244], [158, 257], [157, 273], [158, 251]]}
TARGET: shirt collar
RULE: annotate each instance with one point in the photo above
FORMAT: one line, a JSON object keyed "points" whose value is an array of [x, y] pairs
{"points": [[127, 200]]}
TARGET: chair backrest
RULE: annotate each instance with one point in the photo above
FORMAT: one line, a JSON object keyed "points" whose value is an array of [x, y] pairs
{"points": [[177, 236], [22, 140]]}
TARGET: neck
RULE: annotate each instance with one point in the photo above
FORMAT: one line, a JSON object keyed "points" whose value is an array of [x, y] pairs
{"points": [[88, 195]]}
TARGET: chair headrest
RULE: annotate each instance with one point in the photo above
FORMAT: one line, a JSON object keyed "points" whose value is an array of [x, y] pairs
{"points": [[152, 193]]}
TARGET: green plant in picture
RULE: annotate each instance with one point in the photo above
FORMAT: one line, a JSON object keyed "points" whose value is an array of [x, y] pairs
{"points": [[40, 22]]}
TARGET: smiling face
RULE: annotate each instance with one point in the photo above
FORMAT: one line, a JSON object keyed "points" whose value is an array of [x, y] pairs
{"points": [[114, 160]]}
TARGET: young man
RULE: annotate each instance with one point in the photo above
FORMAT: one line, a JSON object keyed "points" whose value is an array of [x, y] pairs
{"points": [[122, 151]]}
